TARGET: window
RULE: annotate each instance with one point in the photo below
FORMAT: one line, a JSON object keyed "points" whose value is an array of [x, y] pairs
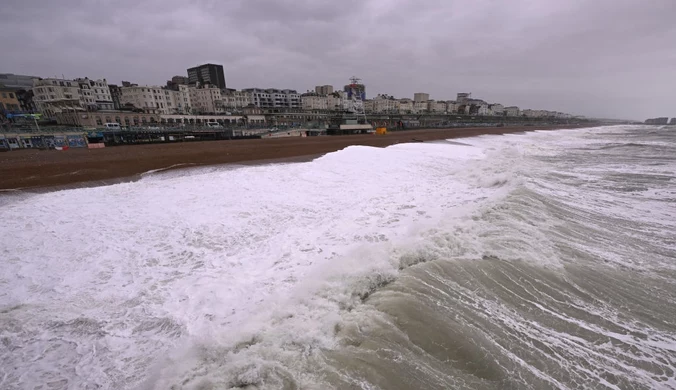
{"points": [[4, 95], [98, 121]]}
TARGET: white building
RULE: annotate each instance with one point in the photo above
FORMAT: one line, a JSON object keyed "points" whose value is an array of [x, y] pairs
{"points": [[236, 100], [207, 99], [274, 98], [533, 113], [95, 94], [157, 99], [313, 101], [452, 107], [335, 102], [512, 111], [405, 106], [420, 106], [496, 109], [385, 104], [369, 105], [436, 106], [52, 95]]}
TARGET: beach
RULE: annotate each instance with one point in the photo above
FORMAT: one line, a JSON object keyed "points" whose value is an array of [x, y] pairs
{"points": [[538, 260], [24, 169]]}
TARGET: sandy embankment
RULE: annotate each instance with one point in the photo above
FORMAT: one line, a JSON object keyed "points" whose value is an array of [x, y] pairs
{"points": [[38, 168]]}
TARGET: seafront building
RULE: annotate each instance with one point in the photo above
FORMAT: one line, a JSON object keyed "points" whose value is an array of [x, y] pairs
{"points": [[153, 99], [54, 95], [324, 90], [421, 97], [274, 98], [207, 74], [9, 100], [202, 91]]}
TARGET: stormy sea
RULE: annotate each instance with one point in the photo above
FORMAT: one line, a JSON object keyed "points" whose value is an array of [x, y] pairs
{"points": [[542, 260]]}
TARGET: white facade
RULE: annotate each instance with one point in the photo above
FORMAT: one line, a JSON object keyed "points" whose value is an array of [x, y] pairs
{"points": [[335, 101], [54, 95], [420, 106], [533, 113], [157, 99], [496, 109], [236, 100], [436, 106], [313, 101], [385, 104], [369, 105], [512, 111], [207, 99], [95, 94], [406, 106], [274, 98], [452, 107]]}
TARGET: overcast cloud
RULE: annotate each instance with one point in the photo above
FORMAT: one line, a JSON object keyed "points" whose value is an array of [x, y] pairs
{"points": [[608, 58]]}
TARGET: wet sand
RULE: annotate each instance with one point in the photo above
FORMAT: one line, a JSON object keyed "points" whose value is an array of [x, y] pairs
{"points": [[21, 169]]}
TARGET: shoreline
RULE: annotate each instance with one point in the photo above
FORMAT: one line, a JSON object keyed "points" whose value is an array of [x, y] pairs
{"points": [[39, 170]]}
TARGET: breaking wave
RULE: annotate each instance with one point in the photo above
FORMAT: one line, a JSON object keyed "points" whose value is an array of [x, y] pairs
{"points": [[534, 261]]}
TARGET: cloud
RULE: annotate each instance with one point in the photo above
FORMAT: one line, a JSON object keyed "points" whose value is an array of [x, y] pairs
{"points": [[601, 58]]}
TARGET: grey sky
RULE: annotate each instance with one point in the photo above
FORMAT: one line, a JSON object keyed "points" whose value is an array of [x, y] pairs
{"points": [[612, 58]]}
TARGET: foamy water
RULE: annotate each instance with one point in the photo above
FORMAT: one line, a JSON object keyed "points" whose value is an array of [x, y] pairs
{"points": [[542, 260]]}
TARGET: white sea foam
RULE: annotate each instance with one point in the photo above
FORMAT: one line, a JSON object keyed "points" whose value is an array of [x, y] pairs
{"points": [[114, 277], [221, 272]]}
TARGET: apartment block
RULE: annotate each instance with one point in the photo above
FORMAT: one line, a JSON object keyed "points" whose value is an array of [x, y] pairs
{"points": [[324, 89], [274, 98], [313, 101], [406, 106], [496, 109], [207, 74], [385, 104], [155, 99], [95, 94], [236, 100], [421, 97], [436, 106], [207, 99], [420, 106], [54, 95], [512, 111], [8, 100]]}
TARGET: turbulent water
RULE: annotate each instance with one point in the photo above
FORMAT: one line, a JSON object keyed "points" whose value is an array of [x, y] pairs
{"points": [[544, 260]]}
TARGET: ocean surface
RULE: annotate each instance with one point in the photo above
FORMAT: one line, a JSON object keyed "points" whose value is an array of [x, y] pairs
{"points": [[544, 260]]}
